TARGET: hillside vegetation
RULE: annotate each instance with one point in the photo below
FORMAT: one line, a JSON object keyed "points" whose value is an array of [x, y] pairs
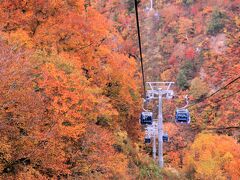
{"points": [[196, 44], [69, 94], [70, 91]]}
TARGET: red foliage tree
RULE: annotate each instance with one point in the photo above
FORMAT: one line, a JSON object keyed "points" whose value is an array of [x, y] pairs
{"points": [[190, 53]]}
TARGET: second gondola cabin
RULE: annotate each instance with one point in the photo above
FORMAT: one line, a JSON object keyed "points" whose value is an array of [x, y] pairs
{"points": [[182, 116], [147, 140], [165, 137], [146, 118]]}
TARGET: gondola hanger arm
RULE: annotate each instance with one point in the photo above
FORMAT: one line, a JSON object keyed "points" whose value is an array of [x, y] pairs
{"points": [[187, 102]]}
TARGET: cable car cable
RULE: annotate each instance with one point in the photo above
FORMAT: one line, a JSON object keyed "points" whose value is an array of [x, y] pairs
{"points": [[228, 96], [223, 98], [224, 87], [140, 46]]}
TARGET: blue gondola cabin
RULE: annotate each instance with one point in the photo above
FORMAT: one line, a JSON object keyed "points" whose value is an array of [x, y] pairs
{"points": [[146, 118], [165, 137], [147, 140], [183, 116]]}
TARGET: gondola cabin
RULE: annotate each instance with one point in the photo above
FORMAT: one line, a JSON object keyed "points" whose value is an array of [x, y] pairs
{"points": [[165, 137], [183, 116], [146, 118], [147, 140]]}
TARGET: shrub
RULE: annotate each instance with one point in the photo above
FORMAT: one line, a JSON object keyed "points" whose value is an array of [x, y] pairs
{"points": [[131, 6], [198, 88], [112, 89], [150, 170], [67, 68], [216, 23], [189, 69], [182, 80], [187, 2], [103, 121]]}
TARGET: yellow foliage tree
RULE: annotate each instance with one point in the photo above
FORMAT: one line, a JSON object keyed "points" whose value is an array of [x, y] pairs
{"points": [[198, 88], [213, 157]]}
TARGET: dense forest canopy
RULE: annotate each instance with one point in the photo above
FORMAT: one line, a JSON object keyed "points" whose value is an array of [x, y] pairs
{"points": [[71, 90]]}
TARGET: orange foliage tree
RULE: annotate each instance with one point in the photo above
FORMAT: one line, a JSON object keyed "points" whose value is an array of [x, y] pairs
{"points": [[30, 134], [74, 75]]}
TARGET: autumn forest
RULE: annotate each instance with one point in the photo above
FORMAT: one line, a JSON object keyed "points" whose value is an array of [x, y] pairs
{"points": [[71, 88]]}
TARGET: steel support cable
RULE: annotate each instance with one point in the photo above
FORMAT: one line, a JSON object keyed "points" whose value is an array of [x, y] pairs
{"points": [[235, 127], [224, 87], [222, 128], [140, 46], [223, 98]]}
